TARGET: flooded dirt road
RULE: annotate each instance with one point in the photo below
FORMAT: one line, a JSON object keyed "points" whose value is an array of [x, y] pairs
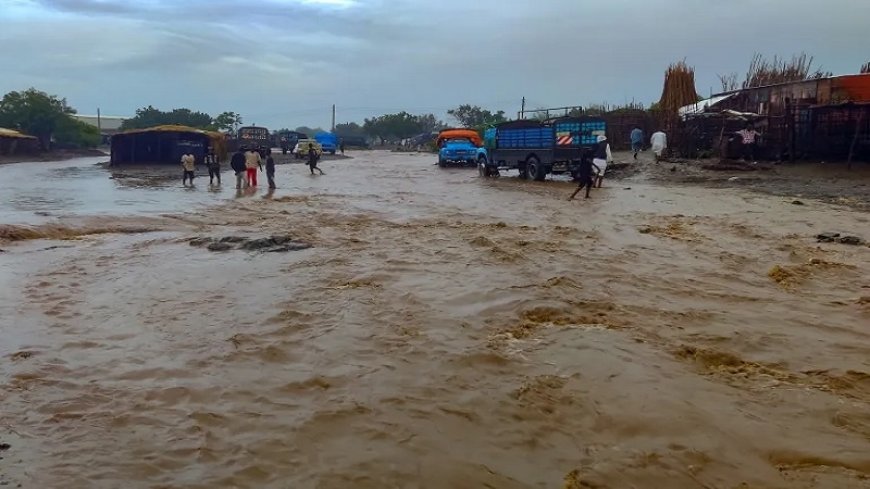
{"points": [[443, 331]]}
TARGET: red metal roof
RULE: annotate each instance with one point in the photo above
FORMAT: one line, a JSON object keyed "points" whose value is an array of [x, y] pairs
{"points": [[852, 87]]}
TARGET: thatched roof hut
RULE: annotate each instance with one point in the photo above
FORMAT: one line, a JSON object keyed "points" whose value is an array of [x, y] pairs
{"points": [[166, 144], [12, 142]]}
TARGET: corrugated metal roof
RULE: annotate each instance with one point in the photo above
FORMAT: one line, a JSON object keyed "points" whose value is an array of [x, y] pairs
{"points": [[702, 105], [107, 123], [830, 78]]}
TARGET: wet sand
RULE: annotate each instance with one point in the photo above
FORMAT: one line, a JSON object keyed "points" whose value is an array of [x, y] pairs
{"points": [[442, 331]]}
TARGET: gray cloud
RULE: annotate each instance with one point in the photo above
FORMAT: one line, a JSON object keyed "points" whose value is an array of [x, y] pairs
{"points": [[284, 62]]}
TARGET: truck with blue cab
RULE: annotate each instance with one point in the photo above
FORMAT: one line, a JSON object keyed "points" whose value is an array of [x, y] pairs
{"points": [[539, 148], [328, 141], [463, 147]]}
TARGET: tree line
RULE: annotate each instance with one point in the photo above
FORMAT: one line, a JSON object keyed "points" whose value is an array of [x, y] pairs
{"points": [[50, 119], [47, 117]]}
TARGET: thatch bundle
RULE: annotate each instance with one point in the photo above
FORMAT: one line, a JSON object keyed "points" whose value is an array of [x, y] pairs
{"points": [[679, 89], [763, 72]]}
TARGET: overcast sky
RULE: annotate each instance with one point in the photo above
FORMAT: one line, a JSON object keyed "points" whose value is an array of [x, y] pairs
{"points": [[283, 63]]}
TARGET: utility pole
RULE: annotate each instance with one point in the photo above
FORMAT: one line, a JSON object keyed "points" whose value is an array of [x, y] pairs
{"points": [[523, 109], [99, 122], [333, 117]]}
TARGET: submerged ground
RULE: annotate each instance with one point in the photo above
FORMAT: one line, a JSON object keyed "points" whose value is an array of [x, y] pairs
{"points": [[443, 330]]}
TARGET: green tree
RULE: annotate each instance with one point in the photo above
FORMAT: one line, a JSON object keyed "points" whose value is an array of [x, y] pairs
{"points": [[430, 123], [393, 126], [473, 116], [227, 121], [34, 112], [150, 117], [73, 133], [348, 130]]}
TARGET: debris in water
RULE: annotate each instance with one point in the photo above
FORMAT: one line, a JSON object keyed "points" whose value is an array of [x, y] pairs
{"points": [[797, 202], [850, 240], [272, 244], [21, 355], [827, 237], [219, 247], [831, 237]]}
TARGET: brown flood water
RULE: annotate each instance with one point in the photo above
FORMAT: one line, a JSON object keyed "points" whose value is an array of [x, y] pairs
{"points": [[444, 331]]}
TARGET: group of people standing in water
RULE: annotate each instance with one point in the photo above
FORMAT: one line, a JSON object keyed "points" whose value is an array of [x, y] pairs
{"points": [[245, 163]]}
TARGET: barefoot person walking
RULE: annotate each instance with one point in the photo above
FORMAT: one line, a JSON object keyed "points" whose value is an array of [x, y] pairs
{"points": [[585, 175], [188, 163], [252, 163], [603, 157], [312, 160], [237, 163], [659, 141], [214, 168], [636, 140], [270, 169]]}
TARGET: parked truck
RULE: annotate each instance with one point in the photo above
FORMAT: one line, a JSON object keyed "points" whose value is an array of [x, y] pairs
{"points": [[460, 146], [328, 141], [539, 148], [252, 137]]}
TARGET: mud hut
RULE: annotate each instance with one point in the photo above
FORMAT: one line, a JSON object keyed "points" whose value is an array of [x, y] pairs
{"points": [[166, 144], [13, 142]]}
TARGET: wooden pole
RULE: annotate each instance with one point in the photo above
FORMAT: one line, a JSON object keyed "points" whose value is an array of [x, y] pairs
{"points": [[723, 153], [855, 137]]}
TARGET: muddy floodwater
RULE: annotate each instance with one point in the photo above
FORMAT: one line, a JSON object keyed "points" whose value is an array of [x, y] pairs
{"points": [[436, 330]]}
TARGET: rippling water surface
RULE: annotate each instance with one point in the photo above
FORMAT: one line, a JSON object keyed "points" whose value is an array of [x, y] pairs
{"points": [[443, 331]]}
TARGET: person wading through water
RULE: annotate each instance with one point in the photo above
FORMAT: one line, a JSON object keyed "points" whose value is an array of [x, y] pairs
{"points": [[237, 163], [252, 162], [603, 157], [188, 163], [214, 168], [270, 168], [585, 174], [312, 160]]}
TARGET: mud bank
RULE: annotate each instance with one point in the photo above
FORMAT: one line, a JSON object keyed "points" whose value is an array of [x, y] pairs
{"points": [[444, 330], [829, 182], [56, 155]]}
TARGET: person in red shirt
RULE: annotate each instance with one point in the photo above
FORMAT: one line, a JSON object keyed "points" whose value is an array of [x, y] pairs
{"points": [[748, 141]]}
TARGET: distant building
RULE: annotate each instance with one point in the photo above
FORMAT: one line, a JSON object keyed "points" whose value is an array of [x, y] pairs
{"points": [[109, 125]]}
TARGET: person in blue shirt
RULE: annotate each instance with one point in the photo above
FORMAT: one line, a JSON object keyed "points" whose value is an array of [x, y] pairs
{"points": [[636, 140]]}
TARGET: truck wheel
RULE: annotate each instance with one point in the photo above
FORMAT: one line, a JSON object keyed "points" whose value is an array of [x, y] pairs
{"points": [[524, 171], [442, 163], [535, 170]]}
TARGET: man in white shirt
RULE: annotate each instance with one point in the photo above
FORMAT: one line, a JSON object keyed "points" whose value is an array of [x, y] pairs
{"points": [[659, 142], [188, 163], [603, 157]]}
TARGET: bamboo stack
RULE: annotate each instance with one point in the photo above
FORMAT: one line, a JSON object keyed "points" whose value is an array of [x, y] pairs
{"points": [[679, 91]]}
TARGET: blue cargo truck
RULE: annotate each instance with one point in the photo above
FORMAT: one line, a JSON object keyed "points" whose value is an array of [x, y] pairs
{"points": [[537, 148], [328, 141]]}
